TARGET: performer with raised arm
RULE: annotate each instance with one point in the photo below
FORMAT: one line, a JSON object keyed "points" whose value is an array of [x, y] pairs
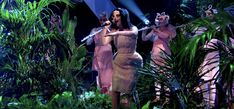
{"points": [[126, 60], [161, 34], [102, 59]]}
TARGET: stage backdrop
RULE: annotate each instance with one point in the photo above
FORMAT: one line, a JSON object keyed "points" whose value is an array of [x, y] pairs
{"points": [[99, 6]]}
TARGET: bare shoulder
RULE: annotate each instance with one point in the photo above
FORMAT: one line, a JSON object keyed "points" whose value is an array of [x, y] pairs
{"points": [[171, 27], [172, 30], [134, 27]]}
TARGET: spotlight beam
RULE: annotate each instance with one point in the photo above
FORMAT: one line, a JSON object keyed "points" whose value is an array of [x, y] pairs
{"points": [[132, 6]]}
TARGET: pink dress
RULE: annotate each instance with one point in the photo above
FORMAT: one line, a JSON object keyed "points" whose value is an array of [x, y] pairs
{"points": [[210, 69], [102, 63], [161, 45], [157, 54]]}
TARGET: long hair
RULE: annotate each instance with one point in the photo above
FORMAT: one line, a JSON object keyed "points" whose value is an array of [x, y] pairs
{"points": [[125, 19]]}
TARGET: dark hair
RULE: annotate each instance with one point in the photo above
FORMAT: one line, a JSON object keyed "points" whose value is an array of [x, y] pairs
{"points": [[102, 15], [124, 18]]}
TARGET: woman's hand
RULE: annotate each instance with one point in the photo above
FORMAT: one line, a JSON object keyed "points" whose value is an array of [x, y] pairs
{"points": [[106, 24], [156, 30], [112, 33]]}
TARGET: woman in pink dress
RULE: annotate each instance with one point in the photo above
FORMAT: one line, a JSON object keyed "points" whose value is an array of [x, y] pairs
{"points": [[210, 66], [102, 59], [160, 35]]}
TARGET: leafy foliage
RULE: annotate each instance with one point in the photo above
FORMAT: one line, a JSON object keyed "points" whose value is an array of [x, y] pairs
{"points": [[34, 55], [64, 100]]}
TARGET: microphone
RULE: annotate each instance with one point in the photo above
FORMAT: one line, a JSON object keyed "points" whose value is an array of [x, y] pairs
{"points": [[105, 24]]}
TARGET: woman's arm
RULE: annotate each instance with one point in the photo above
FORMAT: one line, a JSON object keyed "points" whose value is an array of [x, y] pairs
{"points": [[132, 31], [105, 40], [172, 32], [89, 41], [161, 34], [148, 36]]}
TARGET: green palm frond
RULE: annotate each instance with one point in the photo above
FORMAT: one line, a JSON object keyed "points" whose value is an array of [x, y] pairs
{"points": [[25, 15], [198, 42]]}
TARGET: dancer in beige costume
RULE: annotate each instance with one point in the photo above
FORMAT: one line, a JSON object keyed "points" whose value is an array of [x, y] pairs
{"points": [[126, 60]]}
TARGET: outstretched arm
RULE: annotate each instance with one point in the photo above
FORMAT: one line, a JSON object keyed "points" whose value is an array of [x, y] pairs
{"points": [[89, 41], [132, 31]]}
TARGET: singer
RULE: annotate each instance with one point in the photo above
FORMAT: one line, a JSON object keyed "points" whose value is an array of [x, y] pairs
{"points": [[126, 60], [102, 59], [160, 35]]}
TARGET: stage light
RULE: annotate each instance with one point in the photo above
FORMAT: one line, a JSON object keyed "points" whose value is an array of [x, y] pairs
{"points": [[132, 6], [146, 21]]}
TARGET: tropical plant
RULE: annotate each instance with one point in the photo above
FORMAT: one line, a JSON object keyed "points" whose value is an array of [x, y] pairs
{"points": [[65, 100], [37, 60]]}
